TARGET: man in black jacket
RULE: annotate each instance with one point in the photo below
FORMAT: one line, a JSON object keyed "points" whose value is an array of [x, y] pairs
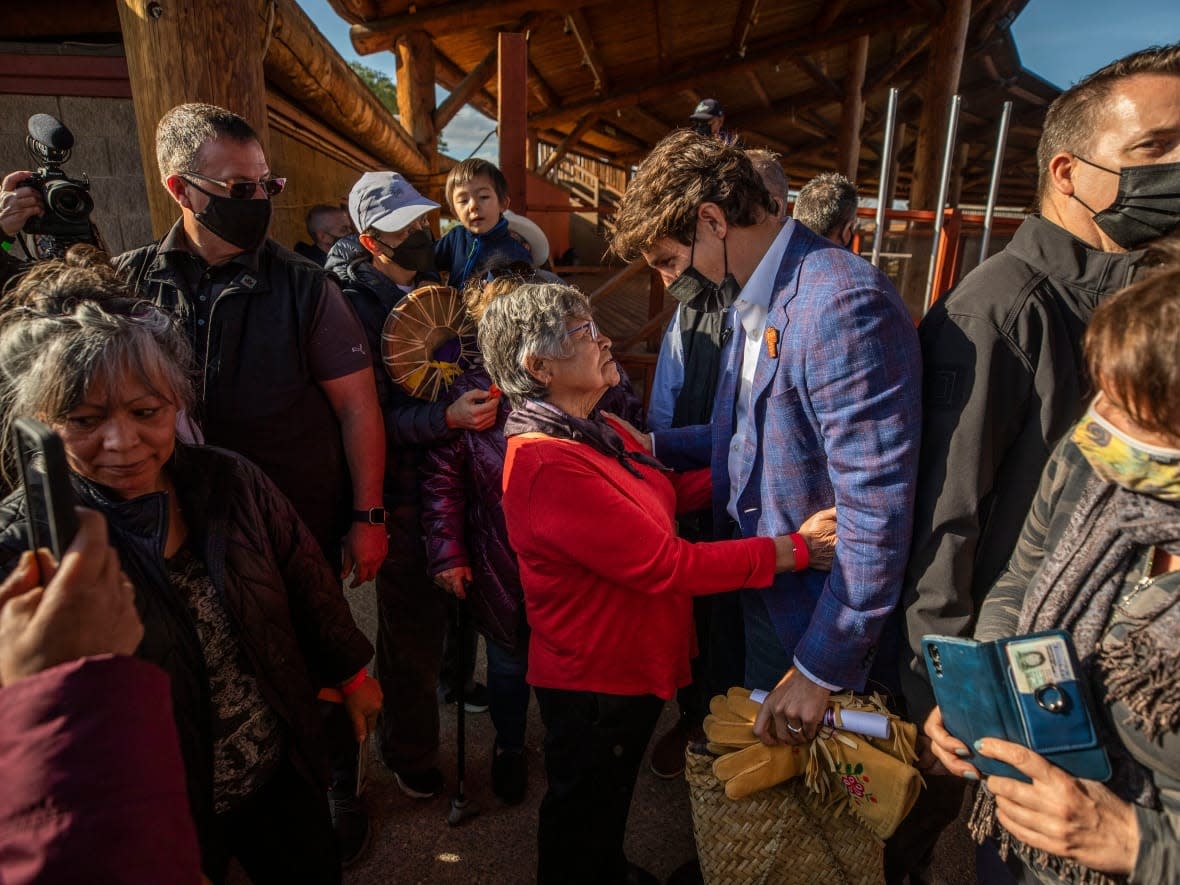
{"points": [[284, 377], [392, 254], [1003, 371]]}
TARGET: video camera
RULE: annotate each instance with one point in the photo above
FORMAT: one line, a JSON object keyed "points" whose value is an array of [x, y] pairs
{"points": [[68, 204]]}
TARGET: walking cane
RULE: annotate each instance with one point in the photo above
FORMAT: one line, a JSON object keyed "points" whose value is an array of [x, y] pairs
{"points": [[461, 807]]}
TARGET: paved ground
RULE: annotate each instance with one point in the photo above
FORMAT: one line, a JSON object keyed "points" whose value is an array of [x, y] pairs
{"points": [[412, 842]]}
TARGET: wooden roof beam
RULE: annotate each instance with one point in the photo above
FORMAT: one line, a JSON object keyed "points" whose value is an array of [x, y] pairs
{"points": [[881, 77], [828, 17], [808, 66], [464, 90], [539, 87], [450, 75], [772, 49], [379, 34], [747, 17], [576, 22], [758, 89], [299, 62], [932, 9]]}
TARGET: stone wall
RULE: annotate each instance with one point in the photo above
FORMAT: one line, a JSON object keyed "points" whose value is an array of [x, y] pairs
{"points": [[106, 148]]}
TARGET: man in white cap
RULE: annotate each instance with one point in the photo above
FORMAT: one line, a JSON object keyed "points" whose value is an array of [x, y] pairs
{"points": [[392, 254]]}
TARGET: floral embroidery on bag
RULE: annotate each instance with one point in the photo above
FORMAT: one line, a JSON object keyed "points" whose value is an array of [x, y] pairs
{"points": [[854, 780]]}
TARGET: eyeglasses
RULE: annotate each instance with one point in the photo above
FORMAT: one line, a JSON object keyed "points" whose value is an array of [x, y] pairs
{"points": [[589, 325], [240, 190]]}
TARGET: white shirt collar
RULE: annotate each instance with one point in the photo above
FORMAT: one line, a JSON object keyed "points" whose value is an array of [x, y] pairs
{"points": [[760, 287]]}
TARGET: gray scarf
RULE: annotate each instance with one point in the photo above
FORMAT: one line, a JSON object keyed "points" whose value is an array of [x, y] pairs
{"points": [[1076, 589]]}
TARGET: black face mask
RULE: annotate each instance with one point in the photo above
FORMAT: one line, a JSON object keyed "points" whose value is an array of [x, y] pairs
{"points": [[693, 289], [1147, 206], [241, 223], [416, 252]]}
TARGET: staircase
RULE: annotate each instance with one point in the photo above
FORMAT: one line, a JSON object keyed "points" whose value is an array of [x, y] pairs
{"points": [[594, 184]]}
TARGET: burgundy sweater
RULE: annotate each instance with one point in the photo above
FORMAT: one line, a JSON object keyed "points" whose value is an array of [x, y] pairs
{"points": [[91, 782]]}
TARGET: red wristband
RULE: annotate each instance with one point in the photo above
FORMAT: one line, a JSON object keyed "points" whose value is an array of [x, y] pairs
{"points": [[353, 684], [802, 554]]}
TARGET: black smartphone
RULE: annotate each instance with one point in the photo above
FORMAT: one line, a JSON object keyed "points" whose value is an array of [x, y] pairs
{"points": [[48, 494]]}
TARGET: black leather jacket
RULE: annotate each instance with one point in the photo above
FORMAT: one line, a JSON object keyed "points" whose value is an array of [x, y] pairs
{"points": [[292, 620]]}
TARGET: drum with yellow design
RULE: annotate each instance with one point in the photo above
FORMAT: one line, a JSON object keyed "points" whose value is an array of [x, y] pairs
{"points": [[428, 341]]}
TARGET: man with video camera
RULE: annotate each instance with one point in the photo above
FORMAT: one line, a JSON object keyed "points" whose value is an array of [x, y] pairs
{"points": [[17, 205]]}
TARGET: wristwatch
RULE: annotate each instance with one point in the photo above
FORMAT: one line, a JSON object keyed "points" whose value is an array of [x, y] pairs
{"points": [[373, 516]]}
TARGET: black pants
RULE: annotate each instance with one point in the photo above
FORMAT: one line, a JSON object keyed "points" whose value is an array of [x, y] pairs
{"points": [[721, 658], [281, 834], [411, 620], [593, 746]]}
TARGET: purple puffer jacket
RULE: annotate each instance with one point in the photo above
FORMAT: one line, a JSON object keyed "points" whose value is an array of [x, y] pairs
{"points": [[462, 516]]}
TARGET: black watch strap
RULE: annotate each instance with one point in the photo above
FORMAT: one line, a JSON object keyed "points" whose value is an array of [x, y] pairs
{"points": [[373, 516]]}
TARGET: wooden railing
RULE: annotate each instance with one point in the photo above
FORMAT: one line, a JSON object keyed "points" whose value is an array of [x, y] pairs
{"points": [[596, 184]]}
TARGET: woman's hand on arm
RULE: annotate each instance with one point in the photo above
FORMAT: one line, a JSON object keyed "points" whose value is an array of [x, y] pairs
{"points": [[819, 531], [1059, 813]]}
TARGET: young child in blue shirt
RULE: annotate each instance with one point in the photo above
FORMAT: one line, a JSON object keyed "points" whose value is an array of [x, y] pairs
{"points": [[478, 195]]}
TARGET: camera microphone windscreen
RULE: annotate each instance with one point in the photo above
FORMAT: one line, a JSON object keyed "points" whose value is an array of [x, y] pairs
{"points": [[51, 132]]}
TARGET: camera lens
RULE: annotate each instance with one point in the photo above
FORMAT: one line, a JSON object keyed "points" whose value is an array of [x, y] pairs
{"points": [[68, 200]]}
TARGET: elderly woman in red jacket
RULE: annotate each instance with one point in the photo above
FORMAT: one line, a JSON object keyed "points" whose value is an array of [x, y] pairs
{"points": [[608, 584], [468, 550]]}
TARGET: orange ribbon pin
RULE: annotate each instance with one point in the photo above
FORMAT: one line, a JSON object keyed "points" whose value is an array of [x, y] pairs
{"points": [[772, 343]]}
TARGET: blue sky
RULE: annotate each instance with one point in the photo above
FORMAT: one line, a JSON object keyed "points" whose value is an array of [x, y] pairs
{"points": [[1061, 40]]}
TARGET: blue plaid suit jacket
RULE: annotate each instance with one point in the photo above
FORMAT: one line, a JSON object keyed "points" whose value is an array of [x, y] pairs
{"points": [[838, 413]]}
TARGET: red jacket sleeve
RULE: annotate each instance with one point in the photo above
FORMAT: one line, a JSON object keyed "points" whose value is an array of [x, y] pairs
{"points": [[568, 510]]}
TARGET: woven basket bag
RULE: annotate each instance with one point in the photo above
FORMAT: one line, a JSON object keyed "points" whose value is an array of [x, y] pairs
{"points": [[779, 836]]}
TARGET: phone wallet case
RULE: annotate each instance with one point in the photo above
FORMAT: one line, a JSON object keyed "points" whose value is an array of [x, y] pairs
{"points": [[1025, 689]]}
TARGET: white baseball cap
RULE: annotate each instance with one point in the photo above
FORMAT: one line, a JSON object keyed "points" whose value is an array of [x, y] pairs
{"points": [[385, 201]]}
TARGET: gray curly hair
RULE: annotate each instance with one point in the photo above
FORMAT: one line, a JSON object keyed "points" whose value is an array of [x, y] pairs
{"points": [[70, 323], [524, 324]]}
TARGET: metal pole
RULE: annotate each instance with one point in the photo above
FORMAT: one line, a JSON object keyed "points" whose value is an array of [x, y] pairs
{"points": [[993, 188], [952, 128], [886, 169]]}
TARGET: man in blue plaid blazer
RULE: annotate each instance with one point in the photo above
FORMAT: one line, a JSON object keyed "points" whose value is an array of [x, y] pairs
{"points": [[818, 404]]}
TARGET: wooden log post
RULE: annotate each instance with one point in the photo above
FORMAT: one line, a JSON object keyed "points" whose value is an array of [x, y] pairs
{"points": [[942, 82], [415, 89], [182, 51], [853, 110], [512, 115]]}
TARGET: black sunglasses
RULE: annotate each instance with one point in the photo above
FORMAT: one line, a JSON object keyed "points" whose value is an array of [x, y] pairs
{"points": [[239, 190]]}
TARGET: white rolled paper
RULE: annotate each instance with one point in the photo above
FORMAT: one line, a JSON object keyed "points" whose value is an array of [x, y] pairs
{"points": [[869, 724]]}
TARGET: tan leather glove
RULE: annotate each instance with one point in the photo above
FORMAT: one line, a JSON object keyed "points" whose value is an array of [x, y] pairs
{"points": [[758, 767], [730, 723]]}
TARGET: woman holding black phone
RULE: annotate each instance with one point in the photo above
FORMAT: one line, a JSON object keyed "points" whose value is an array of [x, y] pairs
{"points": [[239, 606]]}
